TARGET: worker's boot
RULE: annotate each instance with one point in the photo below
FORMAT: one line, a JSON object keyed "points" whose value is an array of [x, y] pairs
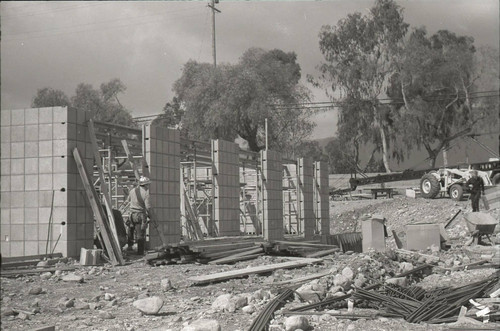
{"points": [[140, 246]]}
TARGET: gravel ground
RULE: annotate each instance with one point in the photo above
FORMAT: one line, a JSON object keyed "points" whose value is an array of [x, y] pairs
{"points": [[105, 298]]}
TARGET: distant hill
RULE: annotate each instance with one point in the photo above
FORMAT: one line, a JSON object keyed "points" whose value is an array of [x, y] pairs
{"points": [[463, 151], [324, 141]]}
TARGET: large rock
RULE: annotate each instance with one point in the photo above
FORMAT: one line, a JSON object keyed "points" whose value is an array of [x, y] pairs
{"points": [[166, 284], [348, 273], [401, 281], [149, 306], [293, 323], [72, 278], [229, 303], [203, 325], [341, 280]]}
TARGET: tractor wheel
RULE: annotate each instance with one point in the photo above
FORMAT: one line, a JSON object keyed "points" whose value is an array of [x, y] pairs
{"points": [[429, 186], [496, 179], [456, 192]]}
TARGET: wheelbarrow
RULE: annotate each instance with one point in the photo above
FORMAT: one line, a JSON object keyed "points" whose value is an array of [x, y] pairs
{"points": [[480, 224]]}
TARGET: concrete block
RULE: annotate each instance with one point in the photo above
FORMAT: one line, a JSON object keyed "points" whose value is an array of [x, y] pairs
{"points": [[44, 198], [31, 182], [45, 165], [5, 215], [373, 234], [5, 132], [422, 236], [17, 248], [4, 247], [30, 166], [31, 116], [60, 147], [60, 114], [5, 200], [5, 166], [44, 214], [17, 166], [31, 216], [16, 199], [30, 247], [31, 133], [59, 131], [45, 148], [45, 115], [45, 131], [17, 150], [5, 147], [17, 183], [17, 216], [31, 149], [31, 199], [60, 164], [45, 182], [17, 232], [60, 214], [5, 117], [31, 233], [60, 199], [17, 117]]}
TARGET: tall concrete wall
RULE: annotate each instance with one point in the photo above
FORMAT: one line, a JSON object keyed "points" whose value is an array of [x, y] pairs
{"points": [[36, 164], [272, 195], [321, 197], [163, 156], [306, 205], [226, 183]]}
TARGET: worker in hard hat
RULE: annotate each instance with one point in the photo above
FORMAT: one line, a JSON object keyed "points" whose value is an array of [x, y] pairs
{"points": [[140, 209], [476, 186]]}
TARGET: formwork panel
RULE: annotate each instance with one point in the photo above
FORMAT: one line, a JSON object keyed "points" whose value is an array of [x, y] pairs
{"points": [[40, 134], [164, 189], [226, 187], [321, 197], [272, 186]]}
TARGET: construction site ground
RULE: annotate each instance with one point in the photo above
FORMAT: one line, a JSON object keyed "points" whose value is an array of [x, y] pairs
{"points": [[103, 298]]}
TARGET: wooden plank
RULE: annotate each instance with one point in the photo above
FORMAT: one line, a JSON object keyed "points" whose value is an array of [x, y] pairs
{"points": [[110, 243], [217, 255], [323, 253], [234, 257], [7, 273], [304, 244], [253, 270], [221, 247], [302, 279], [28, 263], [104, 188], [192, 218], [130, 159], [30, 257]]}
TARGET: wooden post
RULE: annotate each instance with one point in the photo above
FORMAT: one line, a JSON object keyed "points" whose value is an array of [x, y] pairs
{"points": [[112, 246]]}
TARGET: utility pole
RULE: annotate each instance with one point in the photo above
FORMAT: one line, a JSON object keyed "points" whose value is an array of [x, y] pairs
{"points": [[212, 6]]}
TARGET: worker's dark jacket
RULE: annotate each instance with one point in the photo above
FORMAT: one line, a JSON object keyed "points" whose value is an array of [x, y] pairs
{"points": [[477, 184]]}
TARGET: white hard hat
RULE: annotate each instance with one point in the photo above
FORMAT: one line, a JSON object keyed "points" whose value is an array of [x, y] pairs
{"points": [[144, 181]]}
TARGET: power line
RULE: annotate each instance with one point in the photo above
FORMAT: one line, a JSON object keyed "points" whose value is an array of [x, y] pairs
{"points": [[97, 23], [93, 30], [56, 9]]}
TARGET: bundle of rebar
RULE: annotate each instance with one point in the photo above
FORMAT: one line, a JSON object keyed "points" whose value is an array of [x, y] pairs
{"points": [[416, 306], [260, 322]]}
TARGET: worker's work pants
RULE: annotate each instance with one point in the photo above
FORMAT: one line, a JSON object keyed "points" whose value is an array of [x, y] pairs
{"points": [[474, 197], [137, 226]]}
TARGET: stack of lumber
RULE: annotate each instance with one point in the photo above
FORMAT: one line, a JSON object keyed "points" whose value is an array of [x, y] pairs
{"points": [[220, 252], [302, 248]]}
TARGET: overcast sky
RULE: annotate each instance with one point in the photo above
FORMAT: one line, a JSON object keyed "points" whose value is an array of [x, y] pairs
{"points": [[145, 44]]}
